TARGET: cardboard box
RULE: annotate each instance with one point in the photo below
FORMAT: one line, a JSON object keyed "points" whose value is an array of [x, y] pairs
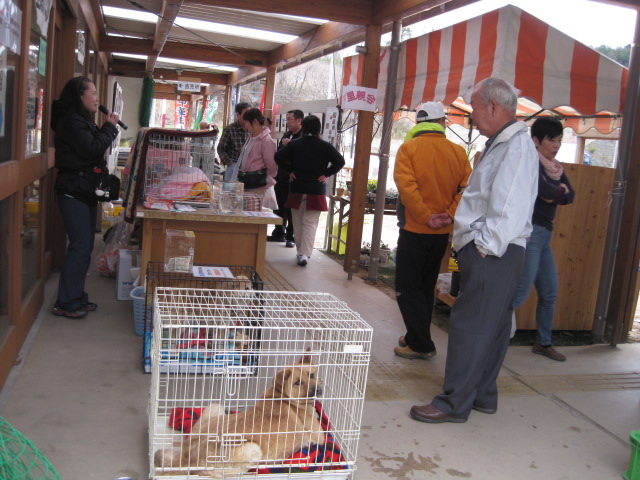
{"points": [[127, 259]]}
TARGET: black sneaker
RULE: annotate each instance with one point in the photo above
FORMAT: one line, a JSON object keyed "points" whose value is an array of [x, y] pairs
{"points": [[290, 244], [277, 238], [61, 312]]}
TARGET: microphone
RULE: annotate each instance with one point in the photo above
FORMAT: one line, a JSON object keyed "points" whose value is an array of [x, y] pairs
{"points": [[105, 110]]}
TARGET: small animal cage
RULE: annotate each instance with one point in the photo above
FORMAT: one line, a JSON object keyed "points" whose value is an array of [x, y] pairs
{"points": [[243, 277], [287, 405], [179, 166]]}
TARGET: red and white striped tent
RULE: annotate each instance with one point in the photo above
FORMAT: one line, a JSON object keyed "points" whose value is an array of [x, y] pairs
{"points": [[552, 70]]}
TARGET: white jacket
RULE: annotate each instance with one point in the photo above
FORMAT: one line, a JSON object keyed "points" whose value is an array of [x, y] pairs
{"points": [[496, 208]]}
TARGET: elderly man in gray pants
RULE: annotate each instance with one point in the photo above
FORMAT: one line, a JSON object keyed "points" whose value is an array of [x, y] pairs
{"points": [[491, 226]]}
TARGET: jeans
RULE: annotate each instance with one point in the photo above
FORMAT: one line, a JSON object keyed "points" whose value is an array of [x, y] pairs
{"points": [[80, 224], [417, 265], [228, 173], [539, 270]]}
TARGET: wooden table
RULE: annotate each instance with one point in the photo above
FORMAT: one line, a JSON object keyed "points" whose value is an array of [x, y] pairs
{"points": [[220, 239]]}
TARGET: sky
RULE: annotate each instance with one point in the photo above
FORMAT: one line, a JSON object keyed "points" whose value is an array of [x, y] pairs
{"points": [[591, 23]]}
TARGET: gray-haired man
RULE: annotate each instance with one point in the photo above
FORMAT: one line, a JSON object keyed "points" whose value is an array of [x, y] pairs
{"points": [[491, 226]]}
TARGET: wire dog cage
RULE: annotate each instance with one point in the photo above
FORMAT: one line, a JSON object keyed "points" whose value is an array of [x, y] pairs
{"points": [[243, 278], [295, 412], [180, 166]]}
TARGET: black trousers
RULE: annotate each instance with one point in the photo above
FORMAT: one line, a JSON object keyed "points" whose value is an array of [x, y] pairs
{"points": [[80, 224], [281, 190], [417, 265]]}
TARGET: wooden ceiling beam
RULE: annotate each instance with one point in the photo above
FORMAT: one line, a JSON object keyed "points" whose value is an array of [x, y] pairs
{"points": [[244, 73], [133, 46], [127, 68], [354, 11], [196, 53], [169, 12], [237, 57], [444, 8], [385, 11], [322, 37], [204, 77]]}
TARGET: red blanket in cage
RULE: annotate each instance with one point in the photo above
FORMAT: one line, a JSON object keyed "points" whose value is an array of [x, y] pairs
{"points": [[309, 459]]}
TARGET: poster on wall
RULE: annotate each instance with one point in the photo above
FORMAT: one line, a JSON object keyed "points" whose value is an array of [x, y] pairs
{"points": [[211, 108], [330, 126], [14, 26], [81, 46], [42, 57], [5, 13], [181, 114], [116, 107], [43, 10]]}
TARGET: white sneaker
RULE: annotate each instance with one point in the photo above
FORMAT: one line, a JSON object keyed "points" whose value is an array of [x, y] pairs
{"points": [[302, 260]]}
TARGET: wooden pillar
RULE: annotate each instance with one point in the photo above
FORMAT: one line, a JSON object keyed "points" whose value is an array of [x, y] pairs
{"points": [[268, 99], [624, 291], [363, 151]]}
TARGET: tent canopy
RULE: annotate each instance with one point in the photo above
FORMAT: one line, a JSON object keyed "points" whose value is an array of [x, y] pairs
{"points": [[553, 71]]}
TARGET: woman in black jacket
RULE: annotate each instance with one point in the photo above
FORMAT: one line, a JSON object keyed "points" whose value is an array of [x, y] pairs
{"points": [[310, 160], [80, 150]]}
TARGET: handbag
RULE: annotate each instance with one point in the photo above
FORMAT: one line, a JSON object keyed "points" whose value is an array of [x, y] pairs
{"points": [[107, 186], [253, 179]]}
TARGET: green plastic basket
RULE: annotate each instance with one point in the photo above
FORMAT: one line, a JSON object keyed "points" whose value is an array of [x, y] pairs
{"points": [[634, 463], [20, 459]]}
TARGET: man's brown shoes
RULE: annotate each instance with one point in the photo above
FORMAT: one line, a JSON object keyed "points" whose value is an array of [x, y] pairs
{"points": [[432, 414], [407, 352]]}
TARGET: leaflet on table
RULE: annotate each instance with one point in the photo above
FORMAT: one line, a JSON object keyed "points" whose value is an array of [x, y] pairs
{"points": [[261, 214], [211, 272]]}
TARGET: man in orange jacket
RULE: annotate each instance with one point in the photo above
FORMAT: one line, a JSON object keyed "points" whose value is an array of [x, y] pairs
{"points": [[431, 173]]}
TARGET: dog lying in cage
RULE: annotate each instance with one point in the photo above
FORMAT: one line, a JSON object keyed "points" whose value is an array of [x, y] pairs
{"points": [[282, 422]]}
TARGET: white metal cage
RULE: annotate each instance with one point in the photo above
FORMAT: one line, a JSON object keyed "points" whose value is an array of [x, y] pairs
{"points": [[245, 340], [180, 166]]}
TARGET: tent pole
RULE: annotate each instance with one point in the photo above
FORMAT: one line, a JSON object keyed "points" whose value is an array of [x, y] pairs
{"points": [[385, 144], [602, 329]]}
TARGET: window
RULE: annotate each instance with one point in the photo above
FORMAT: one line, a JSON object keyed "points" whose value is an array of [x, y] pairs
{"points": [[8, 70], [5, 270], [35, 93], [30, 236]]}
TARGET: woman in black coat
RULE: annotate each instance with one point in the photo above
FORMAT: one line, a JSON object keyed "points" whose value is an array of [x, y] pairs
{"points": [[310, 160], [80, 150]]}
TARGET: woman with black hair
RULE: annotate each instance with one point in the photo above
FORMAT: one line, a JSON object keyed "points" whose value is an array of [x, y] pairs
{"points": [[310, 160], [80, 149], [540, 270], [257, 153]]}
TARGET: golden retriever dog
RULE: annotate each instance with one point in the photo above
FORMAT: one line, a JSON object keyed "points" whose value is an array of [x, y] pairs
{"points": [[282, 422]]}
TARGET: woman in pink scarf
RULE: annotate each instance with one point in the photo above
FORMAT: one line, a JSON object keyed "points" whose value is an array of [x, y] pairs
{"points": [[540, 268]]}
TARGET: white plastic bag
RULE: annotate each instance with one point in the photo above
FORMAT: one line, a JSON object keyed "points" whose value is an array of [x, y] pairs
{"points": [[269, 200], [444, 283]]}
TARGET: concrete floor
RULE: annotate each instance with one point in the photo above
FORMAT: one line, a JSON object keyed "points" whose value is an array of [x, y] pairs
{"points": [[78, 392]]}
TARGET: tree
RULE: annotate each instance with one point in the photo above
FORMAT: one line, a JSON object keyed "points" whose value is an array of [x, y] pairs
{"points": [[619, 54]]}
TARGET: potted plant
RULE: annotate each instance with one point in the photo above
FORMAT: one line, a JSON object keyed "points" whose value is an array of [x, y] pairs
{"points": [[365, 254], [385, 253], [390, 196], [372, 186]]}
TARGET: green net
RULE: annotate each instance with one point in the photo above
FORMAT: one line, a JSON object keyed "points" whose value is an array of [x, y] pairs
{"points": [[20, 459]]}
